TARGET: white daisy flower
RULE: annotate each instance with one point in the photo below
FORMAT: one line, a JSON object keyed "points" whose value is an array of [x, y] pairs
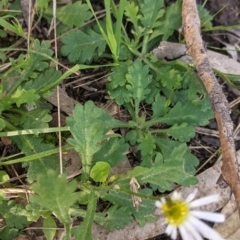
{"points": [[179, 215]]}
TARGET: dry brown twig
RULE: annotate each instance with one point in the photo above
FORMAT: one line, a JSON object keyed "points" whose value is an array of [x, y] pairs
{"points": [[195, 47]]}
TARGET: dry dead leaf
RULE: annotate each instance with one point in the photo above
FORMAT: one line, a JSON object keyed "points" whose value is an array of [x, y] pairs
{"points": [[134, 186], [66, 104], [27, 7], [219, 61], [73, 161], [223, 63], [6, 141], [230, 229]]}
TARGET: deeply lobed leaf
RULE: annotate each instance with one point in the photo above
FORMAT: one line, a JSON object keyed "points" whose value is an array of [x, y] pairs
{"points": [[80, 47], [188, 113], [74, 14], [144, 214], [14, 214], [53, 192], [146, 145], [171, 20], [33, 144], [112, 151], [114, 218], [22, 96], [150, 12], [88, 127], [132, 13], [138, 77], [27, 67]]}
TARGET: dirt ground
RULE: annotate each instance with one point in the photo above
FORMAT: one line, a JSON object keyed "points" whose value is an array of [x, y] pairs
{"points": [[230, 13]]}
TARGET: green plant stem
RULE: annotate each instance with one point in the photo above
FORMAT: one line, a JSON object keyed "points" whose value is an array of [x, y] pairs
{"points": [[16, 110], [130, 109], [121, 124], [136, 106], [12, 117], [9, 157], [69, 72], [152, 122], [108, 35], [119, 16], [145, 44], [139, 194], [67, 227], [35, 156], [135, 52], [32, 131], [225, 77], [151, 65], [219, 28], [159, 131], [212, 17], [77, 212], [15, 27], [104, 189]]}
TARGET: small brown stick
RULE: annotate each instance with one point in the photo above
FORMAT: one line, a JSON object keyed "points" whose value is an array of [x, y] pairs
{"points": [[195, 47]]}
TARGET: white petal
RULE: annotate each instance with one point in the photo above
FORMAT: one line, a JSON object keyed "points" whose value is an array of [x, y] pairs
{"points": [[191, 229], [185, 234], [158, 204], [204, 201], [163, 200], [174, 233], [191, 196], [176, 195], [204, 229], [208, 216], [171, 231], [168, 230]]}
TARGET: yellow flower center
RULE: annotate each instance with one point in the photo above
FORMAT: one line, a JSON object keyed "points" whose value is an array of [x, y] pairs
{"points": [[175, 211]]}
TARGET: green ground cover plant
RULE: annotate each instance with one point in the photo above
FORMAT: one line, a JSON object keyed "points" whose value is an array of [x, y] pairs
{"points": [[163, 99]]}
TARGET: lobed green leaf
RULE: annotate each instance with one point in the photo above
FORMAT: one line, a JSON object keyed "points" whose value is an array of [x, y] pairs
{"points": [[146, 144], [189, 160], [88, 127], [14, 214], [84, 231], [21, 96], [171, 20], [138, 77], [145, 212], [49, 228], [112, 151], [53, 192], [43, 80], [36, 118], [189, 113], [74, 14], [151, 11], [80, 47], [120, 94], [114, 218], [159, 106], [182, 132], [33, 144], [132, 13]]}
